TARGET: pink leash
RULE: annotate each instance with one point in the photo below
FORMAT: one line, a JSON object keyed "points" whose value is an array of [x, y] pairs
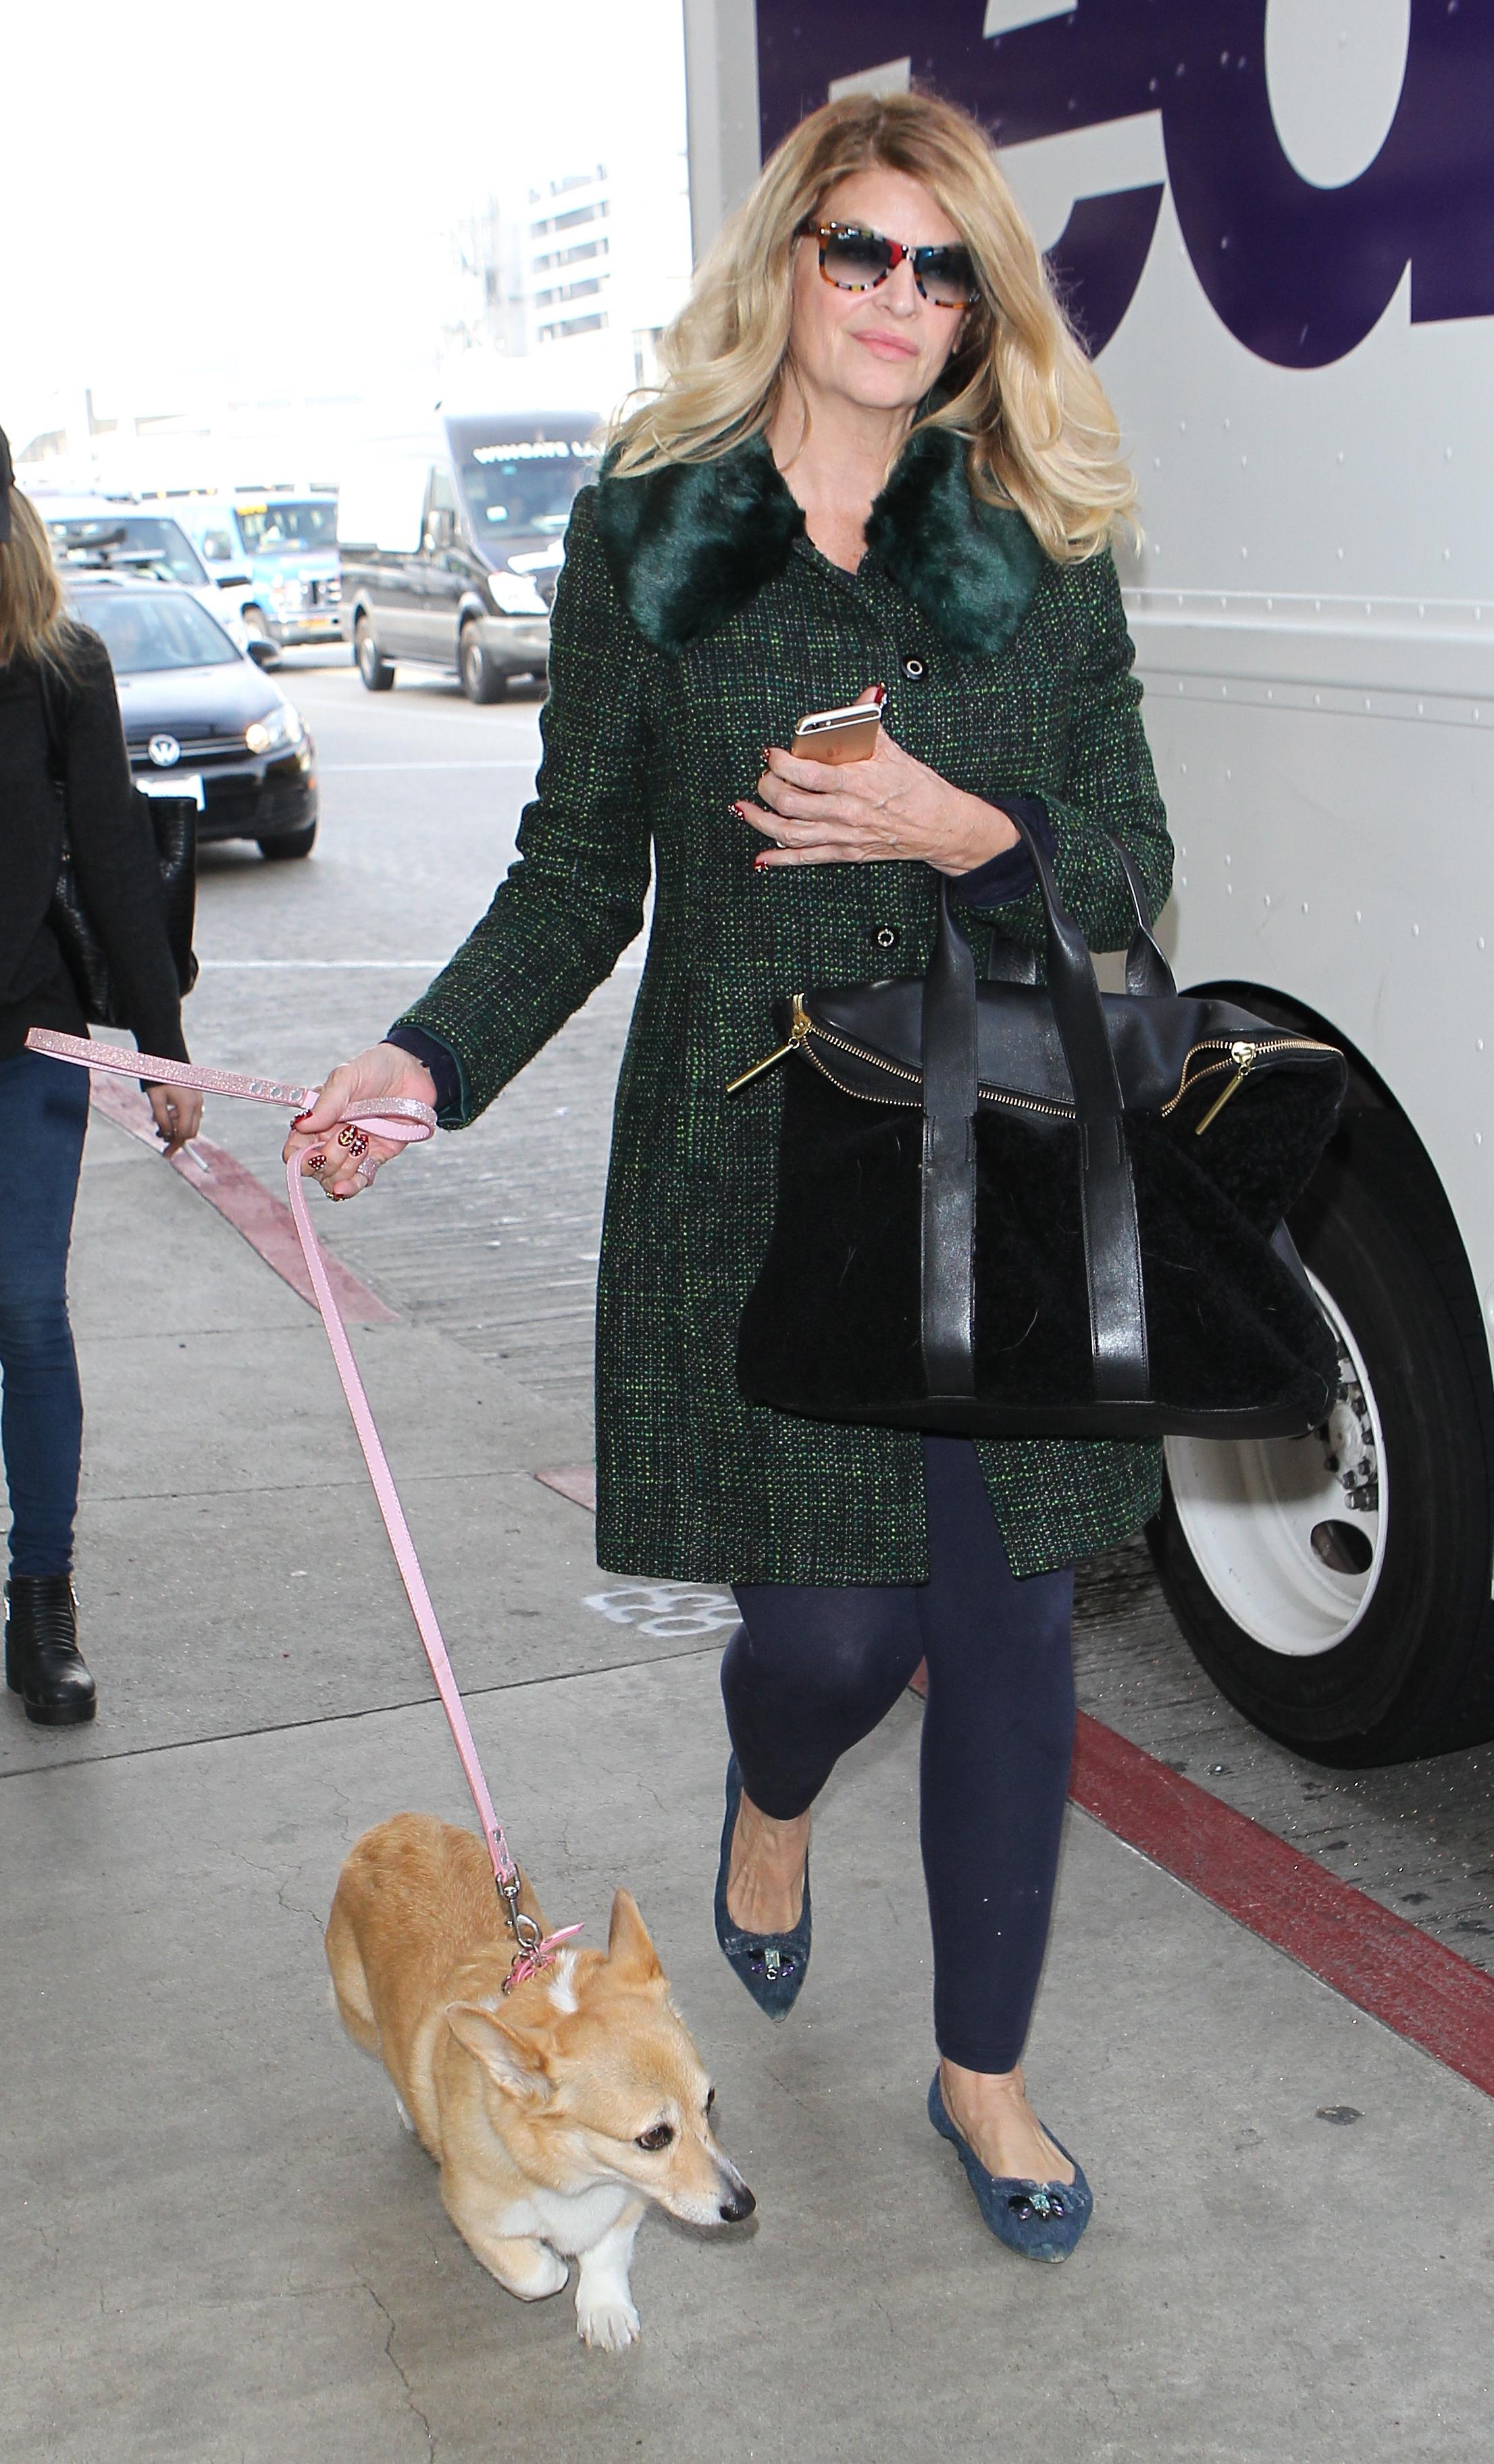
{"points": [[409, 1122]]}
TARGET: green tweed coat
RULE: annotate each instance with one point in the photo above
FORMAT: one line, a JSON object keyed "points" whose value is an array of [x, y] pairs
{"points": [[693, 624]]}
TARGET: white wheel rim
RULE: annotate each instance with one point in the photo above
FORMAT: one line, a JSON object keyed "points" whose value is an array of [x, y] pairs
{"points": [[1249, 1511]]}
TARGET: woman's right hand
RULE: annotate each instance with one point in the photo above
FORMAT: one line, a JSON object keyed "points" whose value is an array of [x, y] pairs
{"points": [[380, 1072]]}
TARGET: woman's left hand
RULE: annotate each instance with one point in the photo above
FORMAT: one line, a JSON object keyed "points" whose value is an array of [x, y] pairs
{"points": [[178, 1115], [889, 809]]}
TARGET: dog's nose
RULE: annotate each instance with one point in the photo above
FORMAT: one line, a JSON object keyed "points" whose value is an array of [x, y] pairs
{"points": [[738, 2205]]}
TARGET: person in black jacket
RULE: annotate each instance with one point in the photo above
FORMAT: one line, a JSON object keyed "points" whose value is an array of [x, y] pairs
{"points": [[59, 719]]}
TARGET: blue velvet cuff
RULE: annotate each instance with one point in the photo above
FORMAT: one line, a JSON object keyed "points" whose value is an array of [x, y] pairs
{"points": [[1009, 876], [440, 1062]]}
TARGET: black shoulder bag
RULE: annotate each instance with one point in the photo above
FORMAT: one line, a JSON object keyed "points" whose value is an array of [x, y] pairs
{"points": [[1013, 1210], [173, 821]]}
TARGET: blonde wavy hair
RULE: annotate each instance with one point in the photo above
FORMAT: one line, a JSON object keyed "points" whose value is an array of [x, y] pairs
{"points": [[1041, 432], [34, 620]]}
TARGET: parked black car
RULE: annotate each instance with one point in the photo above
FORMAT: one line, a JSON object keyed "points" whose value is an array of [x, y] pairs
{"points": [[200, 720]]}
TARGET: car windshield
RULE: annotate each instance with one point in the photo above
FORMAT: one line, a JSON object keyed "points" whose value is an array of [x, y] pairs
{"points": [[272, 529], [524, 486], [144, 541], [143, 630]]}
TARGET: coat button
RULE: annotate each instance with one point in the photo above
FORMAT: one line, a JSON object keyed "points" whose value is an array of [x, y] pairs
{"points": [[887, 936], [913, 667]]}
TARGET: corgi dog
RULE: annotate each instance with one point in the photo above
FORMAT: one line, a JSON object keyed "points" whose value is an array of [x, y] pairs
{"points": [[556, 2112]]}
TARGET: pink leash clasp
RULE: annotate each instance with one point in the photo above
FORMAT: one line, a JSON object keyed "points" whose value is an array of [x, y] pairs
{"points": [[407, 1121]]}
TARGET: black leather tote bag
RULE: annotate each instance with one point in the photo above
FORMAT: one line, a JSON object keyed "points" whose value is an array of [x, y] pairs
{"points": [[1013, 1210]]}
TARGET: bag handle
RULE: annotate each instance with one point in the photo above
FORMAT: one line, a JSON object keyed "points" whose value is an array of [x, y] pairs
{"points": [[1112, 1235], [1148, 974]]}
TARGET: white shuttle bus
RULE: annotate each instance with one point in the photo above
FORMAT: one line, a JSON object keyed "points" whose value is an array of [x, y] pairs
{"points": [[1273, 221]]}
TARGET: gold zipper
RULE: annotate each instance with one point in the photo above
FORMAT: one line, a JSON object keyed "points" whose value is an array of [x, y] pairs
{"points": [[1240, 1057], [799, 1027]]}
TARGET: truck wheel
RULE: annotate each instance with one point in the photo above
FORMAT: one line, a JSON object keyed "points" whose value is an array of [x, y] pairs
{"points": [[481, 680], [289, 844], [1336, 1587], [372, 666], [256, 624]]}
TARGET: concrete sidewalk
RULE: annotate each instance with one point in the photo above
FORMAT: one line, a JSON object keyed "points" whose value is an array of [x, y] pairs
{"points": [[218, 2244]]}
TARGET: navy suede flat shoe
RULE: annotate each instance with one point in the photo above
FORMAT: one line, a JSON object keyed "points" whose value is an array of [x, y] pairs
{"points": [[770, 1965], [1039, 2219]]}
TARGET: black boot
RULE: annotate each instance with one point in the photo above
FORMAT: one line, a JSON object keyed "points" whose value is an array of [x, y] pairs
{"points": [[42, 1661]]}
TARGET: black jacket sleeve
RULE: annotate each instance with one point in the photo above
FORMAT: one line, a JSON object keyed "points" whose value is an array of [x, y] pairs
{"points": [[113, 854]]}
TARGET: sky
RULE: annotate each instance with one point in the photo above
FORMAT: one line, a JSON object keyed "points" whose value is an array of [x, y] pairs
{"points": [[208, 199]]}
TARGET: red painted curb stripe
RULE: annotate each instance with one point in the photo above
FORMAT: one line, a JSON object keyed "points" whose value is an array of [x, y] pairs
{"points": [[1375, 1959], [262, 1219]]}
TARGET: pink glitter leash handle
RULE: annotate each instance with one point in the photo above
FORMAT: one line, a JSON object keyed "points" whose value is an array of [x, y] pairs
{"points": [[400, 1118]]}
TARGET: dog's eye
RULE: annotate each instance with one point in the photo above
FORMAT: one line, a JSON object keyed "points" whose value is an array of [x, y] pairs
{"points": [[660, 2135]]}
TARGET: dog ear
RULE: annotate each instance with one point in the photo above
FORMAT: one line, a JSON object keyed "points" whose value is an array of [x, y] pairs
{"points": [[514, 2063], [628, 1946]]}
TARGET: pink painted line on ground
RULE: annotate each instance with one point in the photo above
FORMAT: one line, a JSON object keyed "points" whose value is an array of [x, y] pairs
{"points": [[1386, 1966], [256, 1213], [579, 1486]]}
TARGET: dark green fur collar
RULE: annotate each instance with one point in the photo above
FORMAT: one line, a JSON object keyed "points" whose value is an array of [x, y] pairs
{"points": [[690, 545]]}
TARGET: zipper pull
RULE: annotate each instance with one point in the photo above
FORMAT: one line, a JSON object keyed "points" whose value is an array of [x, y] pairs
{"points": [[799, 1027], [1243, 1057]]}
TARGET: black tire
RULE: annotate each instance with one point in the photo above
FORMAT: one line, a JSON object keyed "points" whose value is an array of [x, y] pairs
{"points": [[289, 845], [1415, 1675], [375, 669], [256, 624], [481, 680]]}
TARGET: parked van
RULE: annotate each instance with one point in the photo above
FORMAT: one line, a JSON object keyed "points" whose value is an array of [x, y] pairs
{"points": [[287, 543], [451, 543], [118, 534], [1275, 229]]}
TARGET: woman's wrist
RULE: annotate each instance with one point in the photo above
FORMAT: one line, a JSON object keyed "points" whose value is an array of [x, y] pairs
{"points": [[982, 831], [428, 1054]]}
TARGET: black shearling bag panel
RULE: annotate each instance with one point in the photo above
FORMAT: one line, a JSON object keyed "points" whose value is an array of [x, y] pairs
{"points": [[1013, 1210]]}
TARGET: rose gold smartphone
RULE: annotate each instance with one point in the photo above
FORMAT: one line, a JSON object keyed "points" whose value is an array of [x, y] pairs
{"points": [[849, 734]]}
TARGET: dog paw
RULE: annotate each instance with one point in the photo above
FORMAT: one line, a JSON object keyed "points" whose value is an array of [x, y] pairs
{"points": [[547, 2274], [606, 2326]]}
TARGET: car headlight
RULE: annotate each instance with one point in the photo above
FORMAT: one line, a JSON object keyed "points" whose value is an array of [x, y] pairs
{"points": [[275, 733], [287, 594], [514, 594]]}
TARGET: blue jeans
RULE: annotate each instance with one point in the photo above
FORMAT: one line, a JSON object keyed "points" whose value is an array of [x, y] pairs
{"points": [[43, 1115], [810, 1671]]}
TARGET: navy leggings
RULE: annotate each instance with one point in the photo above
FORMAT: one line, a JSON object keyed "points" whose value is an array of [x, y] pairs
{"points": [[810, 1671], [43, 1115]]}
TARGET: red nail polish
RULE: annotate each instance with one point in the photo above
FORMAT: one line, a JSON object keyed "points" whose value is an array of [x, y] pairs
{"points": [[300, 1118], [760, 864]]}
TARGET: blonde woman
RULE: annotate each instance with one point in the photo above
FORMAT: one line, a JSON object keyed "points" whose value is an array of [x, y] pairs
{"points": [[878, 462], [62, 757]]}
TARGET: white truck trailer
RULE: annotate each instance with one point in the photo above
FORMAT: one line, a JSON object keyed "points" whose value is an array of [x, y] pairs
{"points": [[1273, 222]]}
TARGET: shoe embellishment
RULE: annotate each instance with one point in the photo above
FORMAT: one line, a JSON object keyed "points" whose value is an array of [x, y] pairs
{"points": [[1026, 2204], [772, 1963]]}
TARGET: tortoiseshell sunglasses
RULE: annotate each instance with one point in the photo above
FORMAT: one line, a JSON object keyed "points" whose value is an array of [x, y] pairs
{"points": [[854, 259]]}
